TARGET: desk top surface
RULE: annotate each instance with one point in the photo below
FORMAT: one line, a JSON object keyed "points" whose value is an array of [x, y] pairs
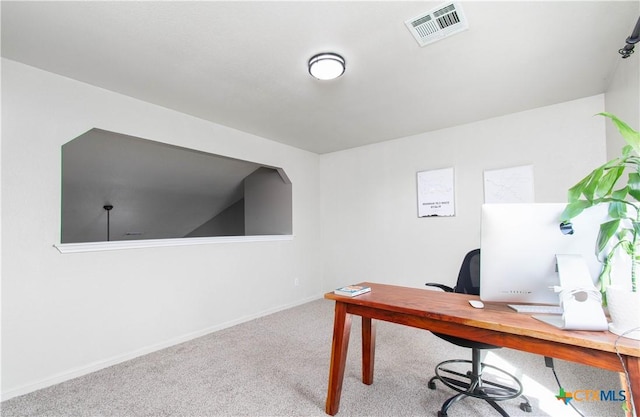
{"points": [[455, 308]]}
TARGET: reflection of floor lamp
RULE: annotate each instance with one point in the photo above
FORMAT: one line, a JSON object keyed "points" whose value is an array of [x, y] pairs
{"points": [[108, 207]]}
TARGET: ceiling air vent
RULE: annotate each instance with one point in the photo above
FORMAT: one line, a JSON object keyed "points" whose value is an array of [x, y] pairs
{"points": [[445, 20]]}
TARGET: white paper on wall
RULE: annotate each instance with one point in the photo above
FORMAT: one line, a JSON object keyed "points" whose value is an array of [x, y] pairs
{"points": [[436, 193], [509, 185]]}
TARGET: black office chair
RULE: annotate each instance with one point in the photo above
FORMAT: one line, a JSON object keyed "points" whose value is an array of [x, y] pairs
{"points": [[473, 383]]}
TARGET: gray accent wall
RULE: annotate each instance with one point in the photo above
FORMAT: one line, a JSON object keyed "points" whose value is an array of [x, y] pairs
{"points": [[267, 206], [230, 222]]}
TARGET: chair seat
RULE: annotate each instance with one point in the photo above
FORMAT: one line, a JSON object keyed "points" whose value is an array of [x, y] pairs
{"points": [[465, 342]]}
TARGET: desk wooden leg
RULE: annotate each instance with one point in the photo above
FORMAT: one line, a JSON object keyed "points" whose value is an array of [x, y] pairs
{"points": [[339, 347], [633, 367], [368, 349]]}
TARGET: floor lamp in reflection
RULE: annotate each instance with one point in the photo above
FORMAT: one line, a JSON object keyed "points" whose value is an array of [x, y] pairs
{"points": [[108, 207]]}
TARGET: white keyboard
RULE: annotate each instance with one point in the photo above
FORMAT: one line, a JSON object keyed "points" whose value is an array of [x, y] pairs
{"points": [[536, 309]]}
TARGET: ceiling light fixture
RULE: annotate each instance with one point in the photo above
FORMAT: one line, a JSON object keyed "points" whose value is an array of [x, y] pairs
{"points": [[326, 66]]}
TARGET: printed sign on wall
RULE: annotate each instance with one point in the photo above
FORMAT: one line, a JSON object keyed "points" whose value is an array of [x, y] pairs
{"points": [[510, 185], [436, 193]]}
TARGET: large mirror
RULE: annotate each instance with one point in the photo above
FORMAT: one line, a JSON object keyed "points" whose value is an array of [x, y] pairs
{"points": [[118, 187]]}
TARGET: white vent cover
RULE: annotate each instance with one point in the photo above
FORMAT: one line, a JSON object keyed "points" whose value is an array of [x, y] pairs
{"points": [[445, 20]]}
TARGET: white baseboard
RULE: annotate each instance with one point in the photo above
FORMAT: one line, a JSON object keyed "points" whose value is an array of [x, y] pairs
{"points": [[98, 365]]}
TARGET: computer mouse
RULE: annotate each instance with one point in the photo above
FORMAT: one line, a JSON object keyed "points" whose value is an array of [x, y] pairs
{"points": [[476, 303]]}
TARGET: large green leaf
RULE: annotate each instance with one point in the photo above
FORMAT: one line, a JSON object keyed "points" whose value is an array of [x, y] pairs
{"points": [[608, 180], [631, 136], [617, 210], [633, 185], [589, 190], [575, 192], [607, 231], [620, 194], [574, 208]]}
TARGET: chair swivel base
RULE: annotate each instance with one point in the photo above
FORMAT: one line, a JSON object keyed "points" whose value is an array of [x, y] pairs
{"points": [[471, 384]]}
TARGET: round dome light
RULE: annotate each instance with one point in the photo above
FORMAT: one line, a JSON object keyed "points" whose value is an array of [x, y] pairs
{"points": [[326, 66]]}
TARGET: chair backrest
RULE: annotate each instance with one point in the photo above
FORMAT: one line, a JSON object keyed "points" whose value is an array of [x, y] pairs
{"points": [[469, 276]]}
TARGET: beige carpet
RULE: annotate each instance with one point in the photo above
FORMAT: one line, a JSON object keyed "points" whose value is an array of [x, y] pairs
{"points": [[278, 366]]}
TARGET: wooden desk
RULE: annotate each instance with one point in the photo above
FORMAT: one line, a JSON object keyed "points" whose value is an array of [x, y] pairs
{"points": [[451, 314]]}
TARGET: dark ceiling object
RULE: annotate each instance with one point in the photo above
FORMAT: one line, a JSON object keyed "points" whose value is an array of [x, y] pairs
{"points": [[108, 207], [631, 41]]}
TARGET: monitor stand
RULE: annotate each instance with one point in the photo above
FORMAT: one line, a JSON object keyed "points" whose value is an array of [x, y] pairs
{"points": [[579, 298]]}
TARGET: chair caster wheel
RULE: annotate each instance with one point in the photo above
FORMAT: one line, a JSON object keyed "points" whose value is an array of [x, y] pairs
{"points": [[441, 414], [432, 384], [526, 407]]}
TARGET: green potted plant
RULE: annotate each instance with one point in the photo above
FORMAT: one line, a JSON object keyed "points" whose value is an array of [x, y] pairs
{"points": [[617, 184]]}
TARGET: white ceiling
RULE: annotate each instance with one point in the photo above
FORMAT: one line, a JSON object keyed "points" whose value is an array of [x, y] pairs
{"points": [[243, 64]]}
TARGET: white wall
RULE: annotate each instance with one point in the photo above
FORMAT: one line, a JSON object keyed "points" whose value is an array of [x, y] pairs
{"points": [[623, 99], [66, 314], [370, 228]]}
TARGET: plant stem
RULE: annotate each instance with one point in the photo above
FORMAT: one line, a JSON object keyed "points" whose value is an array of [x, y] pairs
{"points": [[634, 256]]}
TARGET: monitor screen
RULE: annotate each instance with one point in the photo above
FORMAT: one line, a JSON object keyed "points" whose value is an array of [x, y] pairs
{"points": [[518, 248]]}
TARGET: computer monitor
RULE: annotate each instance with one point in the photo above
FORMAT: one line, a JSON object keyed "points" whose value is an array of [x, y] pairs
{"points": [[518, 248]]}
